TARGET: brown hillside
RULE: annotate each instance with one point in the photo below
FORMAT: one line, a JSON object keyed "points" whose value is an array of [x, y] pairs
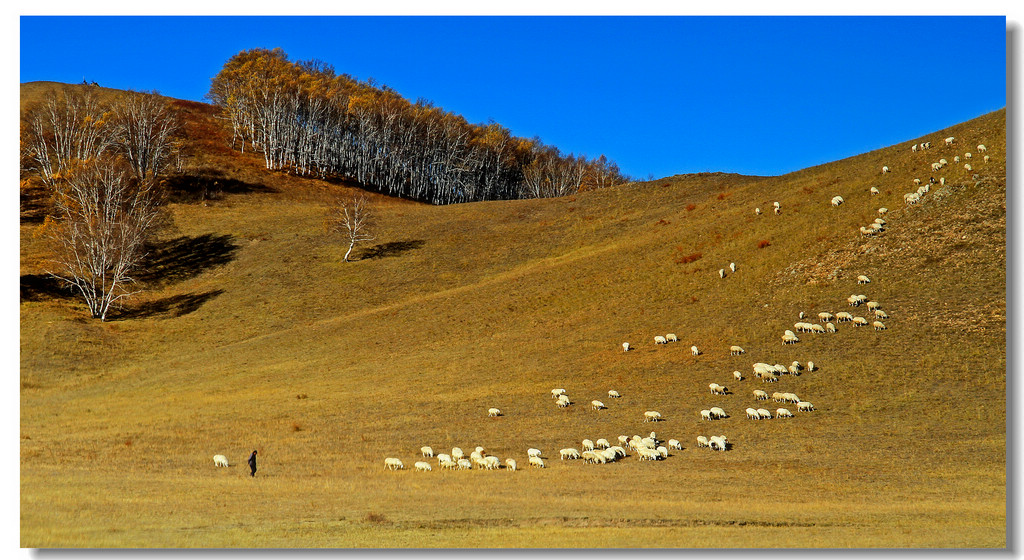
{"points": [[253, 335]]}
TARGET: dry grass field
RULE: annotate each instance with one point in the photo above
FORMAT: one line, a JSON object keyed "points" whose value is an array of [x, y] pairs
{"points": [[254, 335]]}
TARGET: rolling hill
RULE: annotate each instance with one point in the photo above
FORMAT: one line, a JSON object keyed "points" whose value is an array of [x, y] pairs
{"points": [[253, 334]]}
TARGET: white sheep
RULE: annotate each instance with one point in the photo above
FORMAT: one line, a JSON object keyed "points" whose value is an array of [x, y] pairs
{"points": [[752, 414], [532, 452], [874, 190], [880, 221], [789, 339], [913, 147], [879, 326], [426, 451], [860, 322], [943, 162], [811, 366], [783, 413], [601, 443], [804, 406], [826, 316], [757, 211], [510, 464], [457, 453], [446, 462], [986, 159], [732, 267], [873, 305], [736, 351], [879, 314], [776, 204], [663, 451], [492, 412], [968, 167], [555, 393], [942, 181], [717, 389], [694, 351], [737, 376], [674, 444], [982, 148], [393, 464], [837, 200], [760, 395], [652, 416], [614, 394], [830, 327], [885, 169], [717, 412], [721, 273], [936, 166], [917, 182], [588, 445], [764, 414], [967, 155], [422, 466], [563, 401], [569, 453], [220, 461], [671, 337], [702, 441], [778, 210], [596, 405], [956, 159], [718, 442], [536, 462], [624, 441], [705, 415], [843, 317], [866, 232], [660, 340], [816, 328], [883, 211], [625, 347], [927, 145], [949, 141], [464, 465]]}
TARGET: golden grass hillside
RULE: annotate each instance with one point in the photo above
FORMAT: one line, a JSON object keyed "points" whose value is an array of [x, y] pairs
{"points": [[254, 335]]}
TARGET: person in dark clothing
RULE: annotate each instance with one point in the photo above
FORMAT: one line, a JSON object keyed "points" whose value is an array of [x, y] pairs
{"points": [[252, 462]]}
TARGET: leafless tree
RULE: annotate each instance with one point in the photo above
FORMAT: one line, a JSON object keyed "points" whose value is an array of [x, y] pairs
{"points": [[352, 218]]}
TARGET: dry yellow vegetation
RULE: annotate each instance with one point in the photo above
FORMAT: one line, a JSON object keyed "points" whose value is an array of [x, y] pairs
{"points": [[254, 335]]}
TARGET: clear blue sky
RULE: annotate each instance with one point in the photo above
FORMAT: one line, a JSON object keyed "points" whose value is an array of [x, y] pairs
{"points": [[659, 95]]}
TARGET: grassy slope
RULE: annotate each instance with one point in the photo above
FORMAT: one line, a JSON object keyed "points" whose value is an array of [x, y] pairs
{"points": [[267, 341]]}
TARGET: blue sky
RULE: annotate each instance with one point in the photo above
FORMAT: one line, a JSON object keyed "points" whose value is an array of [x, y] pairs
{"points": [[659, 95]]}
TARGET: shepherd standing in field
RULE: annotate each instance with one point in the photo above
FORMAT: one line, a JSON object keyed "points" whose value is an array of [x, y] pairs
{"points": [[252, 463]]}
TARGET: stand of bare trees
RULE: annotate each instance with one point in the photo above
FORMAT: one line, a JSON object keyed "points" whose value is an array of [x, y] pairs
{"points": [[101, 162], [304, 117]]}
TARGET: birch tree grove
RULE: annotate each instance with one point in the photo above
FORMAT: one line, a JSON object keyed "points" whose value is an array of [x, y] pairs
{"points": [[305, 118], [101, 163]]}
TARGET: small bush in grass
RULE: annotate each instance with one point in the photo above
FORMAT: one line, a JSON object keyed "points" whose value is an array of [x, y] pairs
{"points": [[763, 243], [296, 427], [376, 518], [686, 259], [691, 207], [723, 196]]}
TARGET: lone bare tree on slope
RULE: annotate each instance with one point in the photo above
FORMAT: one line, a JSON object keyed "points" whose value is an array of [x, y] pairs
{"points": [[353, 218]]}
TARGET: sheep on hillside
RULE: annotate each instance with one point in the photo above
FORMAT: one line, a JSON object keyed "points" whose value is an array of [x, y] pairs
{"points": [[826, 316], [885, 169], [783, 413], [220, 461], [830, 327], [843, 317], [982, 148], [563, 401], [736, 351], [879, 326], [660, 340], [717, 412], [671, 337], [705, 415], [874, 190], [956, 159], [949, 141], [732, 267], [752, 414], [652, 416], [860, 322], [883, 211], [614, 394], [702, 441], [760, 395], [757, 211], [569, 453], [879, 314], [804, 406], [917, 182], [510, 464], [837, 200], [986, 159], [625, 347], [492, 412], [967, 155], [536, 462], [913, 148], [422, 466], [426, 451], [694, 351], [533, 452], [968, 167], [393, 464], [596, 405], [737, 376], [555, 393]]}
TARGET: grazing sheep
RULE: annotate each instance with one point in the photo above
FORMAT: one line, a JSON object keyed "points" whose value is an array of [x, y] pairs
{"points": [[917, 182], [569, 453], [718, 443], [949, 141], [913, 148], [873, 305], [492, 463], [778, 396], [771, 378], [879, 314], [866, 232], [624, 440], [464, 465], [736, 351], [671, 337], [446, 462], [860, 322], [737, 376], [721, 273], [826, 316], [618, 451], [555, 393], [660, 340], [911, 198], [830, 328], [986, 159], [393, 464], [510, 464], [874, 190], [783, 413], [843, 317], [811, 366], [885, 169], [426, 451], [967, 155], [694, 351], [936, 166], [705, 415], [220, 461], [457, 453], [956, 159], [942, 181], [804, 406], [491, 412], [625, 347], [797, 365], [652, 416], [563, 401], [732, 267], [717, 389], [778, 210], [790, 339], [602, 443], [757, 211], [663, 451], [536, 462], [982, 148], [943, 162], [883, 211], [532, 452], [927, 145], [760, 395], [422, 466], [702, 441], [776, 204], [588, 445], [752, 414], [968, 167], [717, 412], [837, 200], [879, 326], [674, 444], [614, 394], [594, 457], [596, 405], [817, 328]]}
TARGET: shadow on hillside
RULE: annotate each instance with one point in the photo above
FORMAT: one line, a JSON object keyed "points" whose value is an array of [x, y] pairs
{"points": [[34, 205], [173, 306], [208, 185], [185, 257], [39, 287], [391, 249]]}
